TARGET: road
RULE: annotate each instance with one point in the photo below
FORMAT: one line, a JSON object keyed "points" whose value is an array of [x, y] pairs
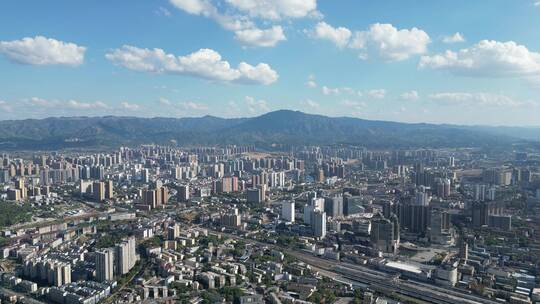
{"points": [[379, 281]]}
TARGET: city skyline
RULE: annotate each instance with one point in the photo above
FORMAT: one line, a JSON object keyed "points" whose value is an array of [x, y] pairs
{"points": [[459, 62]]}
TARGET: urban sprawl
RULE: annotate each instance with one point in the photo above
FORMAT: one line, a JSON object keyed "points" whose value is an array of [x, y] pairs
{"points": [[297, 224]]}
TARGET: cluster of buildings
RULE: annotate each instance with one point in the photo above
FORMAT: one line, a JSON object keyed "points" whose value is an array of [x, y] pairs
{"points": [[203, 221]]}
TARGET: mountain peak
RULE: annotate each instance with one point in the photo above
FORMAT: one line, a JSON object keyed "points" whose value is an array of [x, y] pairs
{"points": [[281, 127]]}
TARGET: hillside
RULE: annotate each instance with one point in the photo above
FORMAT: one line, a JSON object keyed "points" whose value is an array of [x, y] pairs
{"points": [[278, 127]]}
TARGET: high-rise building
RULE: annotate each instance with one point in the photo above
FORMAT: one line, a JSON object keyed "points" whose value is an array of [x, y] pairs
{"points": [[14, 195], [126, 256], [479, 192], [443, 187], [439, 232], [105, 265], [20, 185], [109, 189], [145, 176], [491, 193], [333, 206], [98, 189], [256, 195], [382, 235], [318, 223], [231, 219], [183, 193], [415, 215], [287, 211], [173, 232]]}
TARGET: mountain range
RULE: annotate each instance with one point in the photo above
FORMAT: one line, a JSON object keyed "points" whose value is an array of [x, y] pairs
{"points": [[278, 127]]}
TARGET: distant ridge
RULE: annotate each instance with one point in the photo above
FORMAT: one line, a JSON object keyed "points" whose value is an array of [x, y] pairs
{"points": [[278, 127]]}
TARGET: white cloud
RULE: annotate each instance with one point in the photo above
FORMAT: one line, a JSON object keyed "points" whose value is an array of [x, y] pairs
{"points": [[36, 101], [479, 99], [129, 106], [43, 51], [377, 93], [194, 7], [69, 104], [163, 12], [164, 101], [255, 105], [330, 91], [72, 104], [246, 31], [381, 40], [310, 104], [388, 43], [411, 95], [486, 58], [353, 104], [537, 3], [276, 9], [340, 36], [5, 107], [311, 83], [78, 105], [337, 91], [191, 105], [261, 38], [205, 63], [457, 37]]}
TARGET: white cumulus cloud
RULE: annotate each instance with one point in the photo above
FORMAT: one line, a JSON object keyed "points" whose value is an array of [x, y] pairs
{"points": [[194, 7], [191, 105], [310, 104], [340, 36], [486, 58], [382, 41], [311, 83], [255, 105], [43, 51], [262, 38], [376, 93], [457, 37], [246, 31], [164, 101], [478, 99], [129, 106], [411, 95], [276, 9], [79, 105], [389, 43], [204, 63], [5, 107]]}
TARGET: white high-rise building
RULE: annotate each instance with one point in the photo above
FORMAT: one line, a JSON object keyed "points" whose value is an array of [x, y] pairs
{"points": [[105, 265], [126, 256], [422, 198], [287, 211], [479, 192], [318, 203], [183, 193], [145, 176], [491, 193]]}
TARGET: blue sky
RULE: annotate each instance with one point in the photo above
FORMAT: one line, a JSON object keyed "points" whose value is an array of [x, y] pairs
{"points": [[463, 62]]}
